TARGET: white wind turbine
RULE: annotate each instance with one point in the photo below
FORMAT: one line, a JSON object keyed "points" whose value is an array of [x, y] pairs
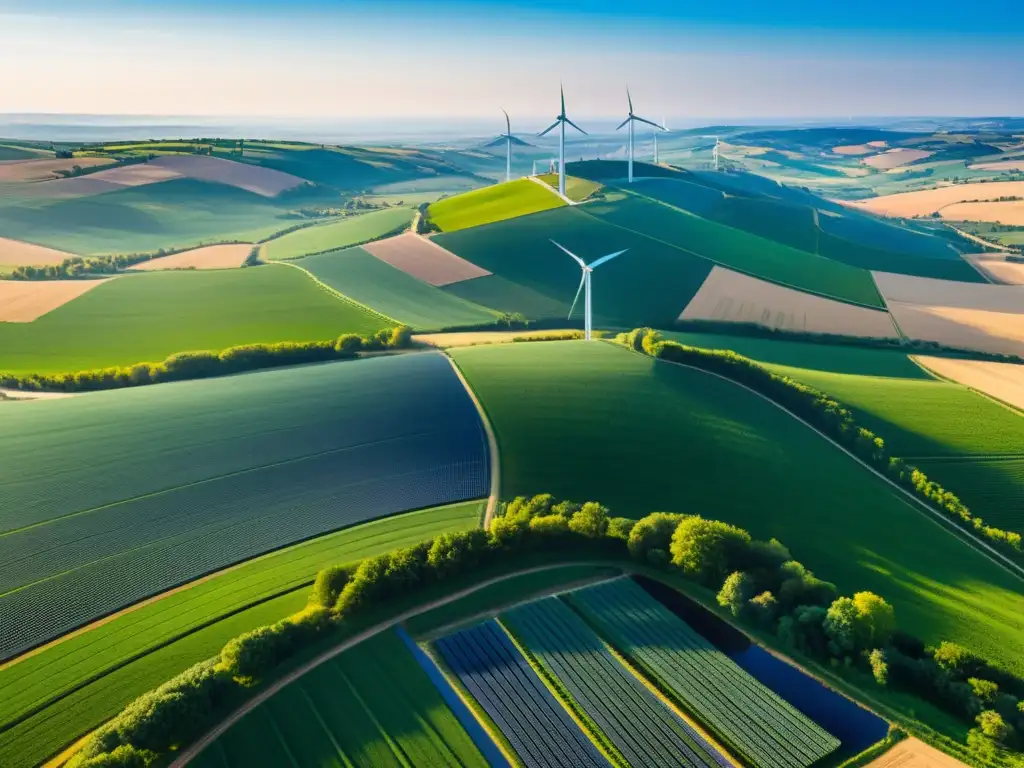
{"points": [[630, 119], [508, 140], [588, 324], [561, 121], [714, 152]]}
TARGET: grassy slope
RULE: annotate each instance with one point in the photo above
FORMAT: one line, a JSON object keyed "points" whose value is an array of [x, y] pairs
{"points": [[337, 234], [490, 204], [591, 421], [186, 627], [378, 285], [141, 318], [576, 189], [374, 703], [545, 280], [739, 250], [176, 213]]}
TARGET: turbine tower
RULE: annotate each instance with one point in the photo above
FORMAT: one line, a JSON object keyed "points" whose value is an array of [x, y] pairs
{"points": [[714, 152], [560, 122], [630, 119], [588, 324]]}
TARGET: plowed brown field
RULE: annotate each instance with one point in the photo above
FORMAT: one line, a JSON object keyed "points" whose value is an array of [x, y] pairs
{"points": [[22, 301], [424, 259], [208, 257]]}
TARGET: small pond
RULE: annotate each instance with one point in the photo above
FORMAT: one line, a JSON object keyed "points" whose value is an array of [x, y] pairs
{"points": [[857, 728]]}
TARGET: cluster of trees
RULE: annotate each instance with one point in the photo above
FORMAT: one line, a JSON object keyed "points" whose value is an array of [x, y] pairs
{"points": [[423, 225], [758, 581], [205, 364], [85, 266], [830, 417]]}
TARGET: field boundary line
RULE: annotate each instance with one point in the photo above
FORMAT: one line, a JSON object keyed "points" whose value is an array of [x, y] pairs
{"points": [[333, 291], [386, 236], [492, 444], [555, 192], [936, 517], [212, 735], [975, 390]]}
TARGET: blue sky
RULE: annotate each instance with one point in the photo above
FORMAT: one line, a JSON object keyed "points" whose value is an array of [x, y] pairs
{"points": [[694, 61]]}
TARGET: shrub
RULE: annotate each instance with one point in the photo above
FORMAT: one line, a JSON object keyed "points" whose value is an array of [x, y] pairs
{"points": [[248, 656], [124, 756], [453, 553], [956, 659], [549, 525], [591, 520], [707, 549], [798, 586], [879, 666], [993, 726], [348, 344], [653, 532], [764, 607], [328, 585], [620, 527], [400, 337], [985, 690], [735, 592]]}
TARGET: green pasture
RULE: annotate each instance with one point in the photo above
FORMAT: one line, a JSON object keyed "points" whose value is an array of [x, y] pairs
{"points": [[332, 235], [378, 285], [69, 688], [737, 249], [371, 705], [594, 421], [992, 486], [576, 188], [172, 214], [146, 317], [490, 204], [12, 152], [650, 283]]}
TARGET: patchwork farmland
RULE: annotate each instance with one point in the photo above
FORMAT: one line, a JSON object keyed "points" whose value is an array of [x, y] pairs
{"points": [[138, 318], [181, 508], [491, 204], [334, 235], [208, 257]]}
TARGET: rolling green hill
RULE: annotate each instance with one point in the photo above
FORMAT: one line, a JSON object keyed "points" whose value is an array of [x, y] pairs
{"points": [[333, 235], [378, 285], [170, 214], [589, 420], [143, 318], [491, 204], [650, 283]]}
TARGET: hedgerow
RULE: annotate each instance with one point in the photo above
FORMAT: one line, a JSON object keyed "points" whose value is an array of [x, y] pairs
{"points": [[831, 417], [759, 581], [206, 364]]}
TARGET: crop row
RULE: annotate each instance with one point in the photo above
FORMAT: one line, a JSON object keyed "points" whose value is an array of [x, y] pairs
{"points": [[640, 726], [762, 727], [513, 696]]}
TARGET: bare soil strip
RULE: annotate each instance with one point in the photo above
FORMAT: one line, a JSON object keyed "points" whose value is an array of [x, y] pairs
{"points": [[854, 149], [998, 269], [1009, 212], [913, 753], [1003, 381], [1000, 165], [894, 158], [42, 170], [998, 332], [207, 257], [18, 253], [733, 297], [424, 259], [22, 301], [254, 178], [929, 201], [949, 293]]}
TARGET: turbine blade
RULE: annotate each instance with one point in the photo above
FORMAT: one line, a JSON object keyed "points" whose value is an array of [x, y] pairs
{"points": [[576, 258], [630, 99], [649, 122], [609, 257], [550, 127], [561, 88], [583, 279], [570, 122], [623, 123], [508, 123]]}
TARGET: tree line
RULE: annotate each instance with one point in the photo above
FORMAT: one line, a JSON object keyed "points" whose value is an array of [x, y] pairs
{"points": [[832, 418], [206, 364], [759, 582]]}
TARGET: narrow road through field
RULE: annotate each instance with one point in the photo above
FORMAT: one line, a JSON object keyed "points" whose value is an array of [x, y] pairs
{"points": [[211, 736]]}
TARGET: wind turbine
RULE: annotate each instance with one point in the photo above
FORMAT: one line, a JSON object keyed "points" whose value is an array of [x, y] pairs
{"points": [[561, 122], [588, 324], [508, 140], [714, 152], [630, 119]]}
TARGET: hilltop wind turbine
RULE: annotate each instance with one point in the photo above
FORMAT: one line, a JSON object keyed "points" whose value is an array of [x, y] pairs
{"points": [[630, 119], [588, 324], [714, 152], [508, 140], [561, 121]]}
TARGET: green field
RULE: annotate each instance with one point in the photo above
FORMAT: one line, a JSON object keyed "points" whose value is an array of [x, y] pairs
{"points": [[640, 435], [172, 214], [490, 204], [993, 488], [503, 594], [58, 694], [146, 317], [370, 281], [534, 277], [373, 705], [337, 234], [737, 249], [576, 189]]}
